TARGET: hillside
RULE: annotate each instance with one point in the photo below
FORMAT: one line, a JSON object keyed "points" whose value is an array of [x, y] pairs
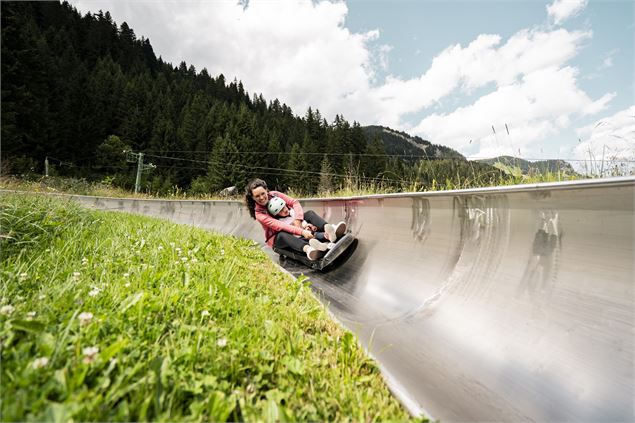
{"points": [[397, 143], [527, 167]]}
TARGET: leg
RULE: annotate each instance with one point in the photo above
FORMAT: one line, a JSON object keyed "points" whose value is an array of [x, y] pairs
{"points": [[286, 240], [314, 219]]}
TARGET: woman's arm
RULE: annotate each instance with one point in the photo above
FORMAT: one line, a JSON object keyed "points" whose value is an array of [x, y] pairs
{"points": [[268, 221]]}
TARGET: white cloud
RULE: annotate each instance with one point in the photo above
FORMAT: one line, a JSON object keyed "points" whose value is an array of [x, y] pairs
{"points": [[608, 145], [297, 51], [561, 10], [302, 53]]}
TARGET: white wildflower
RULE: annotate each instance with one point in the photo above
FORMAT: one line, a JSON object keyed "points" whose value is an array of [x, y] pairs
{"points": [[41, 297], [90, 354], [76, 276], [126, 275], [194, 260], [160, 247], [126, 285], [30, 315], [204, 313], [85, 318], [40, 362], [94, 292], [172, 244], [222, 252], [7, 309], [221, 342], [23, 276], [183, 259], [20, 298], [84, 261]]}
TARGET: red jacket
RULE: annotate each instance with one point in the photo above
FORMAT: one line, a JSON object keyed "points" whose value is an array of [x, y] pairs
{"points": [[271, 225]]}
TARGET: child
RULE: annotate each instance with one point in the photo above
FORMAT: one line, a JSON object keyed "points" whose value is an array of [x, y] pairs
{"points": [[322, 239]]}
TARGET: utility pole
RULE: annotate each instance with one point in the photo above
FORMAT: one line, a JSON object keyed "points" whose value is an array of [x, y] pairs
{"points": [[46, 166], [137, 184], [138, 157]]}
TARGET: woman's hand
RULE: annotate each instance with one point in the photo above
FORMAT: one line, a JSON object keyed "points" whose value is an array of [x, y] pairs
{"points": [[307, 234], [297, 223], [311, 227]]}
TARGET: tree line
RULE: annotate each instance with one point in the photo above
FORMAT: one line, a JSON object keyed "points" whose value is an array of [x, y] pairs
{"points": [[82, 90]]}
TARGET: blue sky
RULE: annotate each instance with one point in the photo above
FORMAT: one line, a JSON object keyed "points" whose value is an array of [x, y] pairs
{"points": [[558, 73]]}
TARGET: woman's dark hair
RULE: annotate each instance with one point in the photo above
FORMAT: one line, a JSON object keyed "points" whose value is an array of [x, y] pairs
{"points": [[249, 200]]}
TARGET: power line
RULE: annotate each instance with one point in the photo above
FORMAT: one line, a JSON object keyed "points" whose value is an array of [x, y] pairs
{"points": [[424, 156]]}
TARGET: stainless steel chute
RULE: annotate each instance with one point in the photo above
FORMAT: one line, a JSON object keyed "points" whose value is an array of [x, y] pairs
{"points": [[512, 303]]}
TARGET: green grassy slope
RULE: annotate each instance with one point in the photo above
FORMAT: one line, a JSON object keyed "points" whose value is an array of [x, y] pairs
{"points": [[112, 317]]}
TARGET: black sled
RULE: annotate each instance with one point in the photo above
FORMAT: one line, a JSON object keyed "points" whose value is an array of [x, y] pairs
{"points": [[341, 246]]}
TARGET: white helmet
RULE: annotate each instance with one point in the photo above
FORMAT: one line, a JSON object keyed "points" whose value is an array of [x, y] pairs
{"points": [[275, 205]]}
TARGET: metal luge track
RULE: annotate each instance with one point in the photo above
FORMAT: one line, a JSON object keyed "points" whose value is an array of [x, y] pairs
{"points": [[497, 304]]}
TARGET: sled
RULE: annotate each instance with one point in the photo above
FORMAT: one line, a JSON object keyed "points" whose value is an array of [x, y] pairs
{"points": [[340, 247]]}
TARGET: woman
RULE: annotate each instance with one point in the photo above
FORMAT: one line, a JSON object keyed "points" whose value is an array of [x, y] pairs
{"points": [[280, 234]]}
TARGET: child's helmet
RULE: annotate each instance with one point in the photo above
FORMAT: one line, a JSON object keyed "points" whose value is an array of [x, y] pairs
{"points": [[275, 205]]}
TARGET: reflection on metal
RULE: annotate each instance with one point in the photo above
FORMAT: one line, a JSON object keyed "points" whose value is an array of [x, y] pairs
{"points": [[500, 304]]}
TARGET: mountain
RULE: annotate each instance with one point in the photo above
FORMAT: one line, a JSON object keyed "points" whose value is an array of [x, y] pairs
{"points": [[527, 167], [397, 143]]}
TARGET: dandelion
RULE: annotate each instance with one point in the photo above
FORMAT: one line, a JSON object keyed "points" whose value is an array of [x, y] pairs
{"points": [[23, 276], [221, 342], [94, 292], [40, 362], [7, 309], [204, 313], [90, 353], [85, 318]]}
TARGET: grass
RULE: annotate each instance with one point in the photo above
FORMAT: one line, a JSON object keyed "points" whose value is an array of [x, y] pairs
{"points": [[113, 317]]}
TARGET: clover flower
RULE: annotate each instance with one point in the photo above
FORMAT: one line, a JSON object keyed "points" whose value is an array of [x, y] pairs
{"points": [[40, 362], [7, 309], [85, 318], [90, 353], [23, 276], [222, 342]]}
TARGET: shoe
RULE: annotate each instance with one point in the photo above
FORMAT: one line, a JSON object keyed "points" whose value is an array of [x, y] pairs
{"points": [[330, 232], [321, 246], [313, 254], [340, 229]]}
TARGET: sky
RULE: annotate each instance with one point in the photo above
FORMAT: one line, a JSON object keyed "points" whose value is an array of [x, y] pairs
{"points": [[534, 79]]}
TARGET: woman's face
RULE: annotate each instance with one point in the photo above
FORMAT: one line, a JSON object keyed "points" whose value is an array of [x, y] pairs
{"points": [[259, 194]]}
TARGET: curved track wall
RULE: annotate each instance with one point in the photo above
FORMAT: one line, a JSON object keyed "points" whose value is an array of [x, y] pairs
{"points": [[498, 304]]}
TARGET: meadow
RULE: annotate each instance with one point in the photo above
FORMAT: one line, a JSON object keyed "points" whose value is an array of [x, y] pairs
{"points": [[112, 317]]}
